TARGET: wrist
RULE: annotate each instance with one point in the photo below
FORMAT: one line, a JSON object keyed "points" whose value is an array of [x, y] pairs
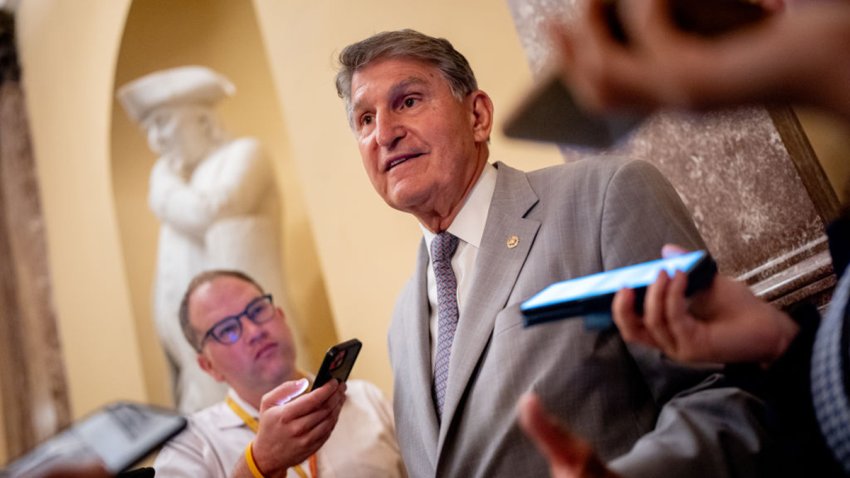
{"points": [[267, 463], [250, 460], [786, 331]]}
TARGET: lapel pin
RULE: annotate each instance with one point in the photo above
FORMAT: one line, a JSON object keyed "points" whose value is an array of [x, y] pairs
{"points": [[513, 241]]}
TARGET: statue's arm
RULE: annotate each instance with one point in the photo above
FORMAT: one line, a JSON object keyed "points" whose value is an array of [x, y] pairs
{"points": [[233, 185]]}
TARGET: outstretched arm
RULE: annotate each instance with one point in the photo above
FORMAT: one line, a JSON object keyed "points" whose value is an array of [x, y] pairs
{"points": [[798, 55], [568, 455]]}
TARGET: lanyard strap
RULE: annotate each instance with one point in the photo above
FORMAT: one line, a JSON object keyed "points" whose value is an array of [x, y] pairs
{"points": [[254, 425]]}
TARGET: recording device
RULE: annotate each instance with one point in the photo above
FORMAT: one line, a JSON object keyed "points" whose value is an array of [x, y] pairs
{"points": [[549, 113], [338, 362], [592, 295], [118, 435]]}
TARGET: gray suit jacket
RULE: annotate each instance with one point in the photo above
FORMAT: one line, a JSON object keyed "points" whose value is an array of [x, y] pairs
{"points": [[571, 220]]}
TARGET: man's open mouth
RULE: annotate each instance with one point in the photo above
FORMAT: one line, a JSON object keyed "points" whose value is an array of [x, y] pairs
{"points": [[400, 159]]}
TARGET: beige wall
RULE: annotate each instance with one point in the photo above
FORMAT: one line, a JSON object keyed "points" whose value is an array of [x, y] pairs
{"points": [[830, 139], [346, 253]]}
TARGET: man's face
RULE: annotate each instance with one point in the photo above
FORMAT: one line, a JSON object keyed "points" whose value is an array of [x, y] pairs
{"points": [[262, 358], [179, 133], [421, 146]]}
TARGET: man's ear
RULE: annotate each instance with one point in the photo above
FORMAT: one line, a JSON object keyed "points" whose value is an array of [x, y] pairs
{"points": [[207, 367], [482, 116]]}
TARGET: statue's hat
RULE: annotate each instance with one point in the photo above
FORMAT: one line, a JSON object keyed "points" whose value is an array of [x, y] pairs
{"points": [[175, 86]]}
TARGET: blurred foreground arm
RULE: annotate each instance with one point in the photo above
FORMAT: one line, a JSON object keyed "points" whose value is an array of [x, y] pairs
{"points": [[568, 455]]}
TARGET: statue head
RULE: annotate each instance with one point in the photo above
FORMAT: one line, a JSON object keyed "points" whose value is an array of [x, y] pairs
{"points": [[176, 108]]}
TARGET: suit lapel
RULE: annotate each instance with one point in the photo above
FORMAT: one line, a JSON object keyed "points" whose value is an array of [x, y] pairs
{"points": [[497, 266], [417, 359]]}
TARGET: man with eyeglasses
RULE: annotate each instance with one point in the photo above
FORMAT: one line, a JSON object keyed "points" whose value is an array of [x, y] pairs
{"points": [[268, 426]]}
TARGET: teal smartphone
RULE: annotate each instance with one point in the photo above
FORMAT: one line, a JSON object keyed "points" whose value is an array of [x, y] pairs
{"points": [[592, 295]]}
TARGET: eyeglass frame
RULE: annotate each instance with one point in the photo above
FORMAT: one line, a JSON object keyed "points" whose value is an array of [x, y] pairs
{"points": [[238, 318]]}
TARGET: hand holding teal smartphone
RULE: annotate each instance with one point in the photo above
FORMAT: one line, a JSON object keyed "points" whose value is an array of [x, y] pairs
{"points": [[591, 295]]}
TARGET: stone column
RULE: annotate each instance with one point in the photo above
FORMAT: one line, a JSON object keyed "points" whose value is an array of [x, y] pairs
{"points": [[33, 391]]}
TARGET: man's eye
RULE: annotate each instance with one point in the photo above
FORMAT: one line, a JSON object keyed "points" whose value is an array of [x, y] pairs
{"points": [[365, 120], [228, 331], [259, 311], [408, 102]]}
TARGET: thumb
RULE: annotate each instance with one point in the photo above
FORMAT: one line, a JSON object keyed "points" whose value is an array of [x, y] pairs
{"points": [[284, 393], [672, 250]]}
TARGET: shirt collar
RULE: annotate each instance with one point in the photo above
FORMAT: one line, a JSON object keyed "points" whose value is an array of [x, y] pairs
{"points": [[229, 419], [468, 225]]}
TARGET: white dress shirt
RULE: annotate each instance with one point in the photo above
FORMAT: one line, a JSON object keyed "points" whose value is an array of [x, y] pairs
{"points": [[468, 226], [362, 444]]}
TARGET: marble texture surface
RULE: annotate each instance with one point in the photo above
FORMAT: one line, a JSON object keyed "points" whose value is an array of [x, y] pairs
{"points": [[33, 388]]}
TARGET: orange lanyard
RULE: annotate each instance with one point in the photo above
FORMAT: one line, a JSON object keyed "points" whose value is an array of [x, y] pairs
{"points": [[254, 425]]}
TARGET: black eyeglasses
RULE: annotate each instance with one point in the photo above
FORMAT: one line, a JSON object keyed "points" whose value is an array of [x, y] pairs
{"points": [[228, 330]]}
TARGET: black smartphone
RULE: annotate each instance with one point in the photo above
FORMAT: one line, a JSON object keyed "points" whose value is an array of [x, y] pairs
{"points": [[592, 295], [338, 362], [118, 435], [548, 112]]}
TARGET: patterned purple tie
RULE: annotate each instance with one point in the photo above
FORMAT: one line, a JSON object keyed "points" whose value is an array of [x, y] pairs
{"points": [[442, 248]]}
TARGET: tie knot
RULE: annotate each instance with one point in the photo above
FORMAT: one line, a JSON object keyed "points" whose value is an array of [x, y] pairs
{"points": [[443, 247]]}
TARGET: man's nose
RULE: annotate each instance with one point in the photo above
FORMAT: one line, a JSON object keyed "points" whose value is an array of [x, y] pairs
{"points": [[252, 331], [388, 129]]}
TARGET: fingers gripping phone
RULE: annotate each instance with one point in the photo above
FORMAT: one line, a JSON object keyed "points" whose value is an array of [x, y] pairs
{"points": [[591, 296], [338, 362], [549, 113], [118, 435]]}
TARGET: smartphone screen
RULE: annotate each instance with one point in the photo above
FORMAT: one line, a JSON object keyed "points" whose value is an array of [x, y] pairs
{"points": [[338, 362], [118, 435], [594, 293]]}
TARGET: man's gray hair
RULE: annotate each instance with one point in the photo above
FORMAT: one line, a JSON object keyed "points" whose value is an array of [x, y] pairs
{"points": [[204, 278], [408, 44]]}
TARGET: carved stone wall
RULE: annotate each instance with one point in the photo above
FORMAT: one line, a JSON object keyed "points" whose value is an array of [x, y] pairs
{"points": [[748, 176], [33, 392]]}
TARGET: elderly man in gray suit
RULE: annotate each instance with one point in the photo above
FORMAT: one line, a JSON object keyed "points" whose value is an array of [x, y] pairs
{"points": [[493, 236]]}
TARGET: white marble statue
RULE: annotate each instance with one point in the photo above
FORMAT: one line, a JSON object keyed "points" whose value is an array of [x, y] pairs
{"points": [[216, 201]]}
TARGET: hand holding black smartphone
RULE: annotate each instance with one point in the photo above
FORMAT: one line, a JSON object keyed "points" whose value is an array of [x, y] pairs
{"points": [[338, 362], [549, 112], [592, 295]]}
